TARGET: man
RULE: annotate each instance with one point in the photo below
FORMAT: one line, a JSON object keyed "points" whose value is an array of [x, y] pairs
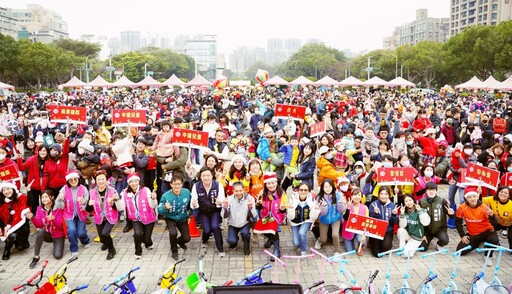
{"points": [[218, 147], [238, 210], [174, 207], [103, 136], [141, 159]]}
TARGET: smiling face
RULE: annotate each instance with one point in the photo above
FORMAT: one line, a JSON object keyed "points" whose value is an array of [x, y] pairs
{"points": [[271, 186], [504, 195]]}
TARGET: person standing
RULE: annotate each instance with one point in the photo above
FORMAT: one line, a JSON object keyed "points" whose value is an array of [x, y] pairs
{"points": [[174, 207]]}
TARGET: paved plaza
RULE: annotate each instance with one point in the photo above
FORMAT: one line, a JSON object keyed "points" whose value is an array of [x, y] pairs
{"points": [[92, 267]]}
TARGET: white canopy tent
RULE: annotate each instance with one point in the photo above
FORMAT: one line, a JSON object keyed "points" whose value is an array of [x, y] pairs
{"points": [[199, 80], [327, 81], [73, 83], [99, 81], [492, 84], [375, 81], [302, 81], [472, 84], [173, 81], [276, 81], [6, 86], [351, 81], [400, 82], [124, 82], [149, 81]]}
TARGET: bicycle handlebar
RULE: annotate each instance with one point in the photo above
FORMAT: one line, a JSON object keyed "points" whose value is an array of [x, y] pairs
{"points": [[316, 284], [81, 287], [106, 287], [458, 252], [29, 281], [332, 258], [275, 257], [255, 273], [497, 247], [390, 251], [321, 255], [18, 287], [408, 251], [173, 265], [298, 256], [372, 277], [444, 251], [228, 283]]}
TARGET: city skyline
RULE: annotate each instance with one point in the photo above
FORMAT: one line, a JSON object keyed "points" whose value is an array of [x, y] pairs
{"points": [[354, 26]]}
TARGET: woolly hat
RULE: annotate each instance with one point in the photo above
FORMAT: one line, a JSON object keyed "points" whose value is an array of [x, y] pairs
{"points": [[268, 129], [86, 144], [431, 186], [337, 142], [343, 180], [39, 137], [239, 157], [269, 177], [323, 149], [8, 184], [131, 177], [71, 174], [56, 147], [470, 191]]}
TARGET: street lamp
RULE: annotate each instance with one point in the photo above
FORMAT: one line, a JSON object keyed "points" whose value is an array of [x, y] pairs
{"points": [[87, 68], [369, 68], [145, 69], [396, 66]]}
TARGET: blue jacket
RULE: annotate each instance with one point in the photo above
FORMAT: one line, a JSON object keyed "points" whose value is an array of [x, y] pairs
{"points": [[385, 213], [288, 153], [306, 171], [263, 148]]}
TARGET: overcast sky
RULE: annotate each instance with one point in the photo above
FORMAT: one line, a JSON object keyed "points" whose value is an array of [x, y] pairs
{"points": [[342, 24]]}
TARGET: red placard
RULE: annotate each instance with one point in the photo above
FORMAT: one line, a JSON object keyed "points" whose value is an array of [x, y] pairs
{"points": [[317, 129], [508, 179], [388, 176], [129, 117], [64, 114], [285, 111], [482, 175], [9, 172], [369, 226], [186, 137], [463, 182]]}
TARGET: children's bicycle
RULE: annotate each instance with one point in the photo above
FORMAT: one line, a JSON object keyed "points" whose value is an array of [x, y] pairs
{"points": [[197, 282], [387, 286], [323, 288], [345, 274], [452, 286], [275, 277], [172, 288], [124, 284], [297, 266], [426, 286], [254, 277], [478, 285], [168, 280], [406, 287]]}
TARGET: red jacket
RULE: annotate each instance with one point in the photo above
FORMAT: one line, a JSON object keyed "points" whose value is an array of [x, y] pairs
{"points": [[8, 162], [31, 165], [54, 173], [429, 146], [421, 124]]}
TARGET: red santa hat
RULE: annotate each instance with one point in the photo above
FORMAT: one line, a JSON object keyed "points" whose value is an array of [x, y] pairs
{"points": [[71, 174], [269, 177], [133, 176], [405, 124], [470, 191], [8, 184]]}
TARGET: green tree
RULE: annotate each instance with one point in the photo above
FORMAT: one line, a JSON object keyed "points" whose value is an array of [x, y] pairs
{"points": [[422, 62], [9, 57], [37, 62], [312, 60], [80, 48]]}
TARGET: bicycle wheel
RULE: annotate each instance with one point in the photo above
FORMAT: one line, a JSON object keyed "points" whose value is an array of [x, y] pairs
{"points": [[405, 291], [327, 289], [496, 289]]}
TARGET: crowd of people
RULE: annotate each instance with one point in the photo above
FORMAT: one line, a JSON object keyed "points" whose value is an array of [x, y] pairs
{"points": [[258, 173]]}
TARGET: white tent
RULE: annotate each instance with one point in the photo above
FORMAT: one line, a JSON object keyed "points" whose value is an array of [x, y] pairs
{"points": [[491, 84], [6, 86], [375, 81], [199, 80], [99, 81], [276, 80], [149, 81], [173, 81], [351, 81], [124, 82], [506, 85], [473, 83], [73, 83], [327, 81], [400, 82], [302, 81]]}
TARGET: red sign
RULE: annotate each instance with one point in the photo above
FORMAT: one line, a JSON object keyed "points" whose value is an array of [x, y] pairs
{"points": [[9, 172], [129, 117], [369, 226], [186, 137], [317, 129], [295, 112], [463, 182], [483, 176], [388, 176], [508, 179], [63, 114]]}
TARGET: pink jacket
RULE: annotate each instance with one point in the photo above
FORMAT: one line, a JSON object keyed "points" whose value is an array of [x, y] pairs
{"points": [[363, 210], [142, 211], [111, 214], [54, 227], [69, 208]]}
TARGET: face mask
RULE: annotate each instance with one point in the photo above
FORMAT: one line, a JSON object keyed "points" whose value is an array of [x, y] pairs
{"points": [[449, 122], [54, 153], [429, 173], [405, 163], [358, 171], [344, 188], [80, 151], [409, 142], [387, 164], [328, 156], [509, 169], [2, 156], [468, 151]]}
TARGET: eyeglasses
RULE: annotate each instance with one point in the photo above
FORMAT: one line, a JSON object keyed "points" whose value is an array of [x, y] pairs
{"points": [[304, 190], [176, 184], [441, 147]]}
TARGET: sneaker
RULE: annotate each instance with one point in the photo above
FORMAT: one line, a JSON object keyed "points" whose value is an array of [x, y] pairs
{"points": [[122, 218], [174, 255], [504, 234], [440, 248], [490, 262], [247, 252], [150, 247], [87, 246], [318, 245], [336, 253], [34, 262], [222, 254], [303, 253], [138, 256], [74, 254]]}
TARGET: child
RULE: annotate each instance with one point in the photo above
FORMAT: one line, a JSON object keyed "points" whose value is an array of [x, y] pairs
{"points": [[413, 220], [354, 207], [267, 149], [370, 143], [429, 145], [341, 159], [291, 154]]}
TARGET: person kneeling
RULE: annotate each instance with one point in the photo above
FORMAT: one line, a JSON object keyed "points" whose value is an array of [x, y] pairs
{"points": [[412, 222]]}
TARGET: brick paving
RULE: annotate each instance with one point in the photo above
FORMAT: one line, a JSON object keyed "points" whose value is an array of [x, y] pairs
{"points": [[92, 267]]}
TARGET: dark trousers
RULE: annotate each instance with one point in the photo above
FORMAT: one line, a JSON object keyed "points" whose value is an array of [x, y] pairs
{"points": [[149, 181], [33, 199], [442, 237], [104, 229], [287, 182], [58, 243], [244, 231], [489, 236], [509, 233], [173, 228], [377, 246], [142, 234], [211, 224], [19, 238]]}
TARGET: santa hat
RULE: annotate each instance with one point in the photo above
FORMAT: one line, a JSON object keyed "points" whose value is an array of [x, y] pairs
{"points": [[269, 177], [470, 191], [337, 142], [71, 174], [39, 137], [268, 129], [239, 157], [133, 176], [405, 124], [343, 180], [8, 184]]}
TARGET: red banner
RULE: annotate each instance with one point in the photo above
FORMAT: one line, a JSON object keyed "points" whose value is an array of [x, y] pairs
{"points": [[462, 182], [63, 114], [9, 172], [388, 176], [317, 129], [483, 176], [186, 137], [285, 111], [508, 179], [129, 117], [369, 226]]}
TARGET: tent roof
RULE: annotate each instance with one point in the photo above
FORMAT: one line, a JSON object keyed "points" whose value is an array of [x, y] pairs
{"points": [[399, 81], [506, 85], [199, 80], [375, 81], [99, 81], [73, 83], [351, 81], [492, 84], [6, 86], [149, 81], [124, 82], [173, 81], [276, 80], [302, 80], [473, 83], [327, 81]]}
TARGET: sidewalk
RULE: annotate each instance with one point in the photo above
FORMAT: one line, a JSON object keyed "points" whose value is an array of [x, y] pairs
{"points": [[92, 267]]}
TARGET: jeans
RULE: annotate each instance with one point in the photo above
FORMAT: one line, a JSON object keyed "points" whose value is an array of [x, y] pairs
{"points": [[173, 228], [451, 194], [104, 229], [76, 231], [120, 185], [211, 224], [142, 234], [351, 244], [233, 235], [300, 235], [58, 243]]}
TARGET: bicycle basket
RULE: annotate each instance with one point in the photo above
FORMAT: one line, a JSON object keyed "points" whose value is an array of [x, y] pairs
{"points": [[405, 291], [327, 289], [496, 289]]}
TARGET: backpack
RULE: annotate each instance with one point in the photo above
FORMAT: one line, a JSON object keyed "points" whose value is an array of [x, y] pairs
{"points": [[499, 125]]}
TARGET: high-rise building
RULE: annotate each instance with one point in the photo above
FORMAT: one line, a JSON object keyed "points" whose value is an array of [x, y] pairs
{"points": [[203, 48], [8, 24], [280, 50], [464, 13], [40, 24], [423, 28], [130, 41]]}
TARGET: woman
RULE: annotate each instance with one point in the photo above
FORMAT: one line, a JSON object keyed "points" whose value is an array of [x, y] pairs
{"points": [[256, 183], [271, 204], [49, 221], [307, 164], [55, 168], [302, 212], [385, 210], [207, 195], [413, 220], [237, 173], [355, 207], [73, 197], [141, 206], [501, 206], [384, 149], [105, 203], [332, 206], [426, 176], [29, 147], [34, 166], [13, 219]]}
